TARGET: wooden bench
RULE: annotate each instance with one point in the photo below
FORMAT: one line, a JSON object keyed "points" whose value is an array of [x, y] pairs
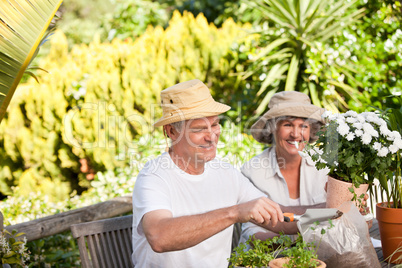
{"points": [[105, 243]]}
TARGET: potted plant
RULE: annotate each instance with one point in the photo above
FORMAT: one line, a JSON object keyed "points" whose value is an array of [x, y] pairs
{"points": [[301, 254], [279, 251], [258, 253], [356, 148], [389, 191]]}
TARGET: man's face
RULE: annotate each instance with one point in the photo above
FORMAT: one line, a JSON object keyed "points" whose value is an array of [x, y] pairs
{"points": [[197, 140]]}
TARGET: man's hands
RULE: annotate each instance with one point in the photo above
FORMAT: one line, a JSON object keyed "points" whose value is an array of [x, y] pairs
{"points": [[260, 211]]}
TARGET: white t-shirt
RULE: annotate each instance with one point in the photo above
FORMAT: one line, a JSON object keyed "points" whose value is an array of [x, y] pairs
{"points": [[162, 185]]}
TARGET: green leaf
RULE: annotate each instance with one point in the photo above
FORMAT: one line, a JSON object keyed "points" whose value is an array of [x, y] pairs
{"points": [[264, 103], [276, 72], [24, 24], [275, 44], [350, 161], [292, 73]]}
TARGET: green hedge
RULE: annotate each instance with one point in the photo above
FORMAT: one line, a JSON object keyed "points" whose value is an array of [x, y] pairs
{"points": [[96, 98]]}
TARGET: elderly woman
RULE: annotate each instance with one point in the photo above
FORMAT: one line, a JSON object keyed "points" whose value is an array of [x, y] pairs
{"points": [[279, 171]]}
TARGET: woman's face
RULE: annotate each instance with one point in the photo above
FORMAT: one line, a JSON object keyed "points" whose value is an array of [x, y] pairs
{"points": [[291, 136]]}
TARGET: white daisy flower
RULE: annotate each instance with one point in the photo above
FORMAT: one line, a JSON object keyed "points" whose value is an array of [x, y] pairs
{"points": [[332, 117], [377, 146], [393, 148], [390, 137], [359, 132], [366, 138], [383, 152], [340, 120], [398, 143], [361, 118], [350, 136], [374, 133], [358, 125], [351, 113], [381, 122], [326, 114], [372, 118], [343, 129], [384, 130], [351, 120], [367, 127], [396, 134]]}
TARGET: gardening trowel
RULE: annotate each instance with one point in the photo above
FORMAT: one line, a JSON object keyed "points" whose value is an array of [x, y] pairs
{"points": [[314, 214]]}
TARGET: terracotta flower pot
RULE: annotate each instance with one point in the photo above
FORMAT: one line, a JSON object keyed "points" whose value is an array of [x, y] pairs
{"points": [[278, 263], [338, 192], [390, 225]]}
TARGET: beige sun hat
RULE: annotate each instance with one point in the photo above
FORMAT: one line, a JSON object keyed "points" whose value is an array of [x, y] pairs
{"points": [[188, 100], [285, 103]]}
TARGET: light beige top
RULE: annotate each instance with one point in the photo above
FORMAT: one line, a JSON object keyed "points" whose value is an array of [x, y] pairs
{"points": [[263, 171]]}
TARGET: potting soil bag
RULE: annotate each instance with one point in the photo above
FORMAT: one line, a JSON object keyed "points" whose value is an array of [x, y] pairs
{"points": [[346, 244]]}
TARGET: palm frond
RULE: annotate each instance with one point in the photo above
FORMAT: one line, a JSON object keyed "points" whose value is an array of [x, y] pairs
{"points": [[23, 24], [293, 72]]}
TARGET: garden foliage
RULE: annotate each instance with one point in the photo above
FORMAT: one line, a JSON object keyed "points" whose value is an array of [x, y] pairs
{"points": [[376, 48], [98, 97]]}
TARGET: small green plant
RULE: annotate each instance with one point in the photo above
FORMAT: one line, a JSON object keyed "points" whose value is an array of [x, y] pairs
{"points": [[303, 254], [13, 249], [358, 200], [261, 252]]}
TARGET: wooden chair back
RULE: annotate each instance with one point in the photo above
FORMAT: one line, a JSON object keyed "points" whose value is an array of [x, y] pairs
{"points": [[105, 243]]}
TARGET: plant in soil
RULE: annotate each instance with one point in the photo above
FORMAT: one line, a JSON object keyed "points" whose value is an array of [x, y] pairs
{"points": [[258, 253]]}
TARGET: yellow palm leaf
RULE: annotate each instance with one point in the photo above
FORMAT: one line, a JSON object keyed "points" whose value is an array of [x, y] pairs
{"points": [[23, 24]]}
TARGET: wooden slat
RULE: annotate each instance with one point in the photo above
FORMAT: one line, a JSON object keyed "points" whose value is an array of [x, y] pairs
{"points": [[58, 223], [127, 245], [102, 248], [115, 245], [92, 248], [81, 241], [109, 243]]}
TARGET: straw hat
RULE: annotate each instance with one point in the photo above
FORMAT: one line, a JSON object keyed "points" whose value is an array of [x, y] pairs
{"points": [[188, 100], [285, 103]]}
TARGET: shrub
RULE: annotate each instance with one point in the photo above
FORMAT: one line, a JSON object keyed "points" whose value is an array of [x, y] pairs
{"points": [[98, 98]]}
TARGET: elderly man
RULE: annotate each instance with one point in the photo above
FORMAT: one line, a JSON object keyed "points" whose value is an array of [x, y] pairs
{"points": [[185, 202]]}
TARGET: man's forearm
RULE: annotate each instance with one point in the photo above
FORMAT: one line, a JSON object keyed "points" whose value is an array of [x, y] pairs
{"points": [[179, 233]]}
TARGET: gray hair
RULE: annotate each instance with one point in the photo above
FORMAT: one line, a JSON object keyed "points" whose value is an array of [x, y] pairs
{"points": [[271, 126], [178, 126]]}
